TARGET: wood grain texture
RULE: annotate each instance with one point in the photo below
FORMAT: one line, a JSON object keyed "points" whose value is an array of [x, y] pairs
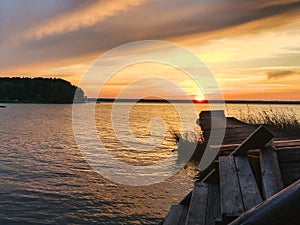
{"points": [[197, 210], [271, 175], [231, 198], [250, 192], [174, 215], [213, 209]]}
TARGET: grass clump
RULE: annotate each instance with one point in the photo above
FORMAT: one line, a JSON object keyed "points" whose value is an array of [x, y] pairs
{"points": [[279, 118], [189, 136]]}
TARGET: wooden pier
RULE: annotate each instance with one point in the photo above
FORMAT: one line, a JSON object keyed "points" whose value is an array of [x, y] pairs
{"points": [[255, 179]]}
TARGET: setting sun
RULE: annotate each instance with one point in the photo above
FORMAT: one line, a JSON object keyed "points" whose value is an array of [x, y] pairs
{"points": [[199, 98]]}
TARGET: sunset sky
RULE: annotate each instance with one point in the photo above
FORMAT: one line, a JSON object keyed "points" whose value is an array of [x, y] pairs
{"points": [[251, 47]]}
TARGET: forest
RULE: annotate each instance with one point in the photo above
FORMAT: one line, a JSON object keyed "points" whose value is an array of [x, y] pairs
{"points": [[39, 90]]}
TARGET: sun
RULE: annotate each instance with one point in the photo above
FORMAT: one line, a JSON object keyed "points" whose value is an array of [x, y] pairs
{"points": [[199, 98]]}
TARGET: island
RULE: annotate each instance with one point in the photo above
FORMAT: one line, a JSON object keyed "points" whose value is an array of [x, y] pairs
{"points": [[39, 90]]}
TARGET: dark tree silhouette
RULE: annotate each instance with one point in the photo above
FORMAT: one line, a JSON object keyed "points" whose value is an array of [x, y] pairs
{"points": [[39, 90]]}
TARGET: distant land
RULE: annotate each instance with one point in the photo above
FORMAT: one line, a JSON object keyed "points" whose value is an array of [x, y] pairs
{"points": [[39, 90], [99, 100]]}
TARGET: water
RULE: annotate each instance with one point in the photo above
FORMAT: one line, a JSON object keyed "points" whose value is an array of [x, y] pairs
{"points": [[45, 179]]}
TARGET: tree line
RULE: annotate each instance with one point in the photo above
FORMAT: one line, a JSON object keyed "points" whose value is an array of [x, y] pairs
{"points": [[39, 90]]}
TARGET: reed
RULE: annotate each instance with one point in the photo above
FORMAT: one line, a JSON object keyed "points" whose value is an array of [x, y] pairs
{"points": [[279, 118], [188, 136]]}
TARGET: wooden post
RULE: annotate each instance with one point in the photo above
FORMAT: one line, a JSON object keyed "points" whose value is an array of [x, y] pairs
{"points": [[271, 176]]}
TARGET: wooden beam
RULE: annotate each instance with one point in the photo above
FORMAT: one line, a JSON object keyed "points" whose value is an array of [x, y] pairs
{"points": [[271, 176], [249, 189], [231, 198], [287, 143], [279, 145], [197, 210], [282, 208], [256, 140]]}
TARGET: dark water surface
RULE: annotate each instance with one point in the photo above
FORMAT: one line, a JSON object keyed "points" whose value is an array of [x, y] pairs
{"points": [[44, 178]]}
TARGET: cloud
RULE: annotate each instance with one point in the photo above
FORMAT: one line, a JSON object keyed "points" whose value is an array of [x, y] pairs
{"points": [[81, 18], [278, 74], [38, 35]]}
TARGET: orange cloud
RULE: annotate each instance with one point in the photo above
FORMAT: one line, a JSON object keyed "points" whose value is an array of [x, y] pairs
{"points": [[80, 18]]}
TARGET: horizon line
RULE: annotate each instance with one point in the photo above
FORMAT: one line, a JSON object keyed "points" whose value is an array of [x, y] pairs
{"points": [[204, 101]]}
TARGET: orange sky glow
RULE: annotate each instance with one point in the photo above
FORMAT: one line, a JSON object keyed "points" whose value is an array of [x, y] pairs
{"points": [[251, 47]]}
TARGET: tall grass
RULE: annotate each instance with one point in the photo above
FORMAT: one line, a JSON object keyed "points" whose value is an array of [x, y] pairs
{"points": [[279, 118], [189, 136]]}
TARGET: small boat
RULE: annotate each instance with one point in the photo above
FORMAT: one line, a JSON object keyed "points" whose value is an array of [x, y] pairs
{"points": [[2, 106]]}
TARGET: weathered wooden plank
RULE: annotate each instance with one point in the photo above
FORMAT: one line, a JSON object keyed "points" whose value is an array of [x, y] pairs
{"points": [[290, 154], [213, 210], [250, 192], [279, 144], [183, 217], [226, 147], [256, 140], [231, 198], [197, 210], [286, 143], [282, 208], [174, 215], [271, 176]]}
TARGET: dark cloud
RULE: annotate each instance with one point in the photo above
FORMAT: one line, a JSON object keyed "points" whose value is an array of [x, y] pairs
{"points": [[278, 74], [16, 15], [150, 20]]}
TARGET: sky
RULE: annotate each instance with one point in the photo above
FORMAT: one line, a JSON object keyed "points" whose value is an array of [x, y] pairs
{"points": [[252, 48]]}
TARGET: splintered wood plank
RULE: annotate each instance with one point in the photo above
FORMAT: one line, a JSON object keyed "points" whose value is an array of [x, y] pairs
{"points": [[231, 197], [174, 215], [213, 210], [271, 176], [197, 210], [260, 137], [250, 192]]}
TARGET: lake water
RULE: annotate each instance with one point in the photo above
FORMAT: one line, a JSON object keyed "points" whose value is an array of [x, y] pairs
{"points": [[46, 180]]}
